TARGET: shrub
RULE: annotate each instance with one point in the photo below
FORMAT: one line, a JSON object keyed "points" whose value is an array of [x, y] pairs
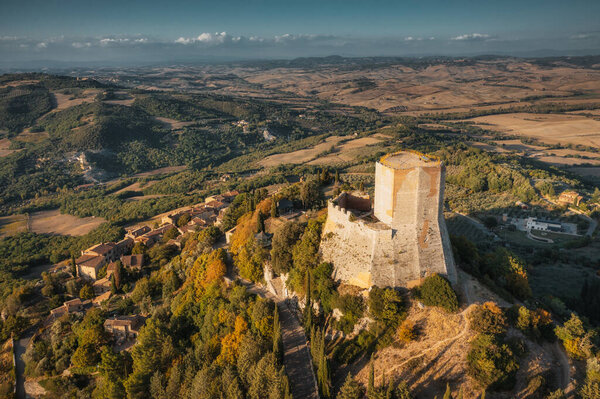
{"points": [[488, 319], [385, 305], [437, 291], [491, 362], [407, 331]]}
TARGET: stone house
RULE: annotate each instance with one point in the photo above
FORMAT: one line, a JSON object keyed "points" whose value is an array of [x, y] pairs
{"points": [[570, 198], [135, 262], [88, 265], [123, 328]]}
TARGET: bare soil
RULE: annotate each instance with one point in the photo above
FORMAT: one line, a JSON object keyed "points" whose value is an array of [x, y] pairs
{"points": [[53, 222]]}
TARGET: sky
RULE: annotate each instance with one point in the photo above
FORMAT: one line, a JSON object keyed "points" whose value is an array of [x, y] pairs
{"points": [[152, 31]]}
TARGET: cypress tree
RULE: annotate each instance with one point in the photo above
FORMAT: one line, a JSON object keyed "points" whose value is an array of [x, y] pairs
{"points": [[448, 393], [274, 211], [337, 177], [371, 386], [308, 307], [277, 346], [73, 266]]}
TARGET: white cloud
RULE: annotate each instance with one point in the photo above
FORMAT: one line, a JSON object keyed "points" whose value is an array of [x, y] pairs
{"points": [[208, 38], [471, 36], [81, 45], [581, 36]]}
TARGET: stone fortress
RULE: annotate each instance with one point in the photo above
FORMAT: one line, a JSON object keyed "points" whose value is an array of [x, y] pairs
{"points": [[399, 240]]}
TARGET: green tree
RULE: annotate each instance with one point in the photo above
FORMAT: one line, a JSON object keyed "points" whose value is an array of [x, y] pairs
{"points": [[274, 210], [488, 319], [86, 292], [437, 291], [277, 342], [350, 389], [282, 244]]}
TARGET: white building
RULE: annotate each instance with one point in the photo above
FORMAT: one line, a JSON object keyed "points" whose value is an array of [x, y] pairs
{"points": [[543, 225]]}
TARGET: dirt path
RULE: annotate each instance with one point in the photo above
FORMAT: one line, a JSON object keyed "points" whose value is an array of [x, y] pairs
{"points": [[565, 367], [296, 353], [20, 348]]}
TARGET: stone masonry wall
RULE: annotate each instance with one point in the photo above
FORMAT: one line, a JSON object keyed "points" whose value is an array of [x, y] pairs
{"points": [[409, 242]]}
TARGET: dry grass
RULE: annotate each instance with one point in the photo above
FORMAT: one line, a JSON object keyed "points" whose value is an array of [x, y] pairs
{"points": [[437, 88], [53, 222], [549, 128], [5, 148], [347, 151], [566, 161], [172, 123], [64, 101], [11, 225], [438, 356], [341, 150], [301, 156]]}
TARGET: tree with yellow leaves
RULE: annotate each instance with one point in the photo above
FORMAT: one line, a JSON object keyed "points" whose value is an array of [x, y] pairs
{"points": [[231, 342]]}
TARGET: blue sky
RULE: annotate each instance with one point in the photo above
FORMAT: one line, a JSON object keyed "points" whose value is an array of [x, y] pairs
{"points": [[84, 30]]}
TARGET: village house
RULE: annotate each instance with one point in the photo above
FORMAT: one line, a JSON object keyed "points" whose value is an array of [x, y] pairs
{"points": [[124, 246], [134, 262], [123, 328], [72, 306], [137, 231], [155, 235], [570, 198], [102, 286], [216, 205], [172, 218], [97, 301], [230, 195], [89, 265], [217, 197], [107, 249]]}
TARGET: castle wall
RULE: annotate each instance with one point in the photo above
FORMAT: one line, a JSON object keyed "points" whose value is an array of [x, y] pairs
{"points": [[349, 246], [409, 242]]}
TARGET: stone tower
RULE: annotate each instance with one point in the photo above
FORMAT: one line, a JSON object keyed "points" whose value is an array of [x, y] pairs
{"points": [[403, 238]]}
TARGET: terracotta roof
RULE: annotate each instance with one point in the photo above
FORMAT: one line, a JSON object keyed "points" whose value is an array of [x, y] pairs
{"points": [[90, 260], [138, 230], [125, 242], [121, 321], [216, 204], [75, 301], [136, 260], [102, 249], [101, 298], [102, 282]]}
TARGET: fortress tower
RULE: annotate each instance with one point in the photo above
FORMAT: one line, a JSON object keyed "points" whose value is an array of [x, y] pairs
{"points": [[403, 238]]}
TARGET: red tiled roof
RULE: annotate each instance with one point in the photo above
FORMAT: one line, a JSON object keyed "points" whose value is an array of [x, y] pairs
{"points": [[89, 260], [102, 249], [136, 260]]}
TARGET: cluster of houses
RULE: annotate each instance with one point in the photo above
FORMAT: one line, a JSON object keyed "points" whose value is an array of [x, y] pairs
{"points": [[88, 265]]}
